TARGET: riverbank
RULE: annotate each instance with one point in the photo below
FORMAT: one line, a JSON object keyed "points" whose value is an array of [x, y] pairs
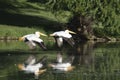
{"points": [[105, 39], [9, 32]]}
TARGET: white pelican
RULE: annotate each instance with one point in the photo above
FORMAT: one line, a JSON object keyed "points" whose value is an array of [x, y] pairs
{"points": [[63, 66], [31, 66], [32, 39], [60, 35]]}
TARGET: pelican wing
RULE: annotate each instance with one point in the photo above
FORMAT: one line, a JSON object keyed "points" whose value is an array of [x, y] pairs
{"points": [[42, 60], [69, 59], [59, 57], [30, 60], [36, 39], [30, 36], [70, 41], [31, 44], [59, 41]]}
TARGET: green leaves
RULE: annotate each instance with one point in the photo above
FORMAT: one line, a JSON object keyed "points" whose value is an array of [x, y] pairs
{"points": [[106, 11]]}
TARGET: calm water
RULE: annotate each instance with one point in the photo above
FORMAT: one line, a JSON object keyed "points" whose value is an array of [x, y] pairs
{"points": [[93, 61]]}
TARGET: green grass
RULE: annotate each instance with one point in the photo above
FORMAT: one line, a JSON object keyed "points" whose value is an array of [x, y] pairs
{"points": [[16, 31], [29, 17]]}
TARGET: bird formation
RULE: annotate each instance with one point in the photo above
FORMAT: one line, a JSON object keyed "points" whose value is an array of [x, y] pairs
{"points": [[32, 39], [31, 65]]}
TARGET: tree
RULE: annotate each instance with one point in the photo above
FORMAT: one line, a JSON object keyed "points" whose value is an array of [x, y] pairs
{"points": [[106, 12]]}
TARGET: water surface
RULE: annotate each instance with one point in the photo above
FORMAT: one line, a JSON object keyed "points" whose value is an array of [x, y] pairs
{"points": [[93, 61]]}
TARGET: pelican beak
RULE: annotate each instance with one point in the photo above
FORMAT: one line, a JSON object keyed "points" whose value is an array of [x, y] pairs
{"points": [[43, 34], [21, 38], [51, 35], [71, 32]]}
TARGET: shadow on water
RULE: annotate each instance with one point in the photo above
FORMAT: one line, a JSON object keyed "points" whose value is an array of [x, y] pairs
{"points": [[29, 21]]}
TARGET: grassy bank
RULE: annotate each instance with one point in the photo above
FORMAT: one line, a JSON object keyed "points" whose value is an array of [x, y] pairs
{"points": [[25, 17], [17, 31]]}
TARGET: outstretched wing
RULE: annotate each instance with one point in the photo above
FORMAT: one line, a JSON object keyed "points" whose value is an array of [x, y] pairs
{"points": [[59, 57], [42, 60], [41, 44], [69, 59], [31, 44], [70, 41], [59, 41], [30, 60]]}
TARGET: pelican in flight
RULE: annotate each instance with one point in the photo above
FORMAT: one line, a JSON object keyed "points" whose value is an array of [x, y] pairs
{"points": [[32, 39], [63, 35], [33, 66], [65, 66]]}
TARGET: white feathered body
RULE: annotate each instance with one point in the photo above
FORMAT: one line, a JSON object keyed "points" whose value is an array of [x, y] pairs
{"points": [[32, 68], [61, 66], [33, 37], [62, 34]]}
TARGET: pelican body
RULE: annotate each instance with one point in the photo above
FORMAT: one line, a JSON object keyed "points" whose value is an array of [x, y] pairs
{"points": [[63, 35], [31, 66], [62, 66], [32, 39]]}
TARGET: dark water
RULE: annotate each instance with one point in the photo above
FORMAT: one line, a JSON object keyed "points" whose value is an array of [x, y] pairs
{"points": [[93, 61]]}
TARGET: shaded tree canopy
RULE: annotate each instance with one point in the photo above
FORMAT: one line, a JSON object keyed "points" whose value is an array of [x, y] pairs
{"points": [[82, 25], [106, 13], [8, 4]]}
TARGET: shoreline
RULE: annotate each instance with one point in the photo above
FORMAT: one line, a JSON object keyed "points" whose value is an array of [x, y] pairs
{"points": [[105, 39]]}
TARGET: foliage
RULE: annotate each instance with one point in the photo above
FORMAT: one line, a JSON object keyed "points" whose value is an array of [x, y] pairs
{"points": [[7, 4], [106, 12]]}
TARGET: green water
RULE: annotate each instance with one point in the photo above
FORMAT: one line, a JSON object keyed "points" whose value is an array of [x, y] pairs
{"points": [[93, 61]]}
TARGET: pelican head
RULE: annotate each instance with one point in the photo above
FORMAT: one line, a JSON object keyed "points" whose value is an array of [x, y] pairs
{"points": [[39, 33], [70, 68], [21, 38], [68, 31], [42, 71], [51, 65], [21, 66]]}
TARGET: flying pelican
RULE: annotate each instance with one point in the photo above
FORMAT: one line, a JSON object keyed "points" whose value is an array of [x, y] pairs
{"points": [[31, 66], [62, 66], [32, 39], [60, 35]]}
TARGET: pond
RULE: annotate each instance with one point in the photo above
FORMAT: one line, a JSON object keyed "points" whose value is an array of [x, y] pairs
{"points": [[93, 61]]}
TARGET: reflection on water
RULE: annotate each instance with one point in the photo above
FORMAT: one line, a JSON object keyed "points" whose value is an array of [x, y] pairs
{"points": [[93, 61], [84, 53]]}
